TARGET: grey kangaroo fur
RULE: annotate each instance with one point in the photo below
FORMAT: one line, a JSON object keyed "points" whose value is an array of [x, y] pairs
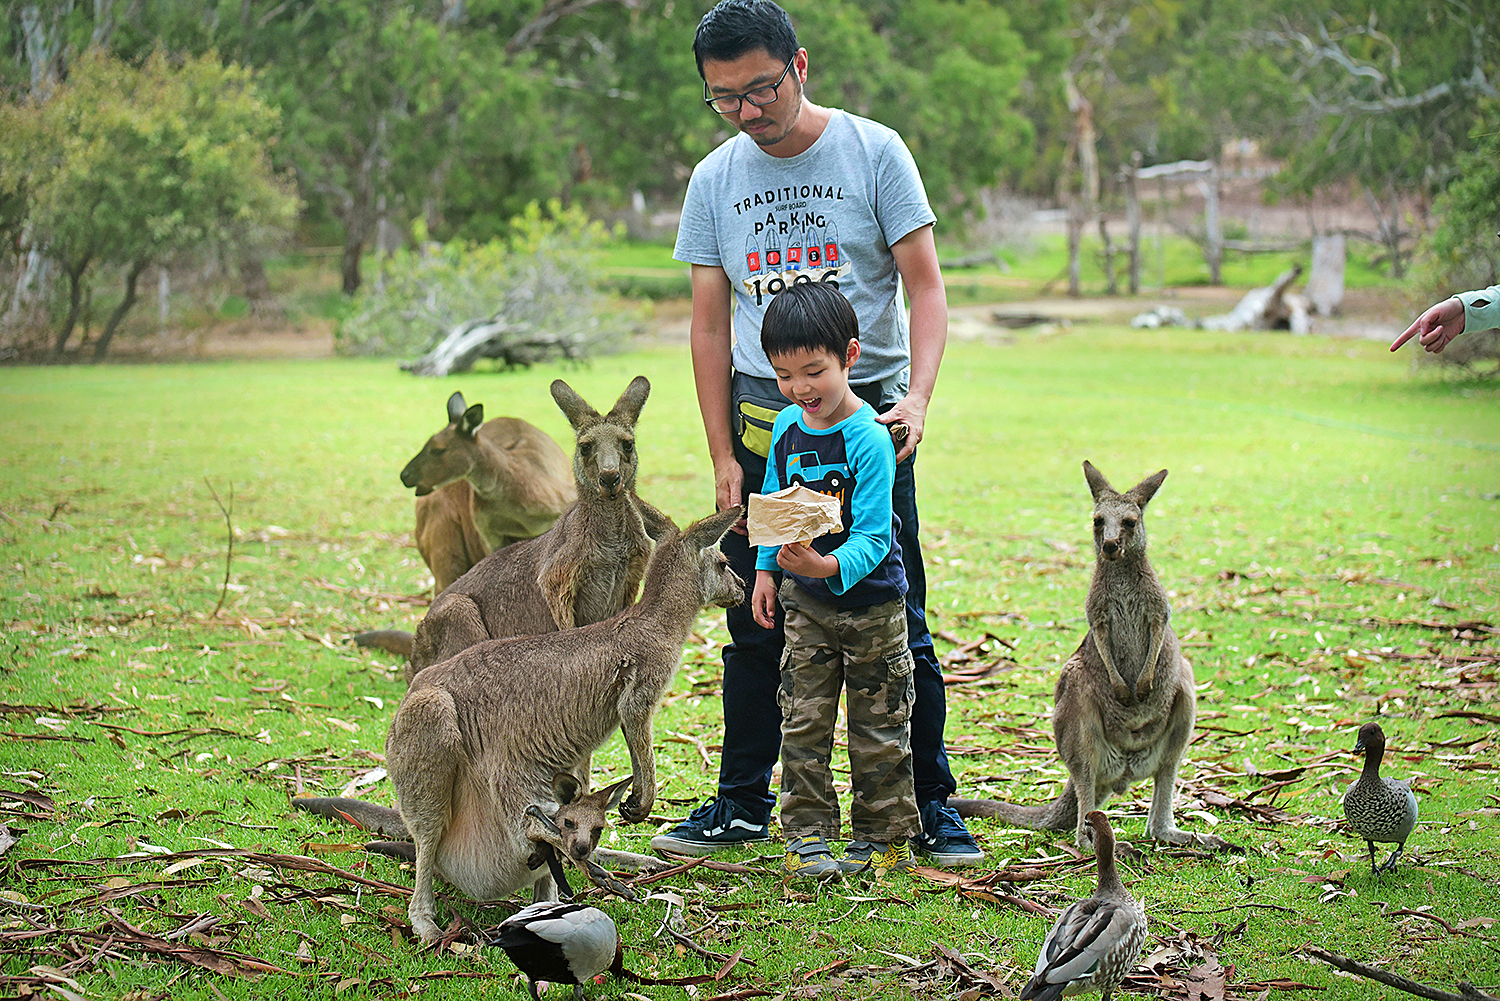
{"points": [[480, 736], [502, 480], [583, 569], [1125, 701], [578, 818]]}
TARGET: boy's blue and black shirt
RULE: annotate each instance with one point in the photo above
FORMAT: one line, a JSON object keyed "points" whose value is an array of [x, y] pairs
{"points": [[854, 461]]}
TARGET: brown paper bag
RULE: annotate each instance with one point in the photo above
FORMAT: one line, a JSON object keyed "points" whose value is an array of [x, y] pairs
{"points": [[795, 514]]}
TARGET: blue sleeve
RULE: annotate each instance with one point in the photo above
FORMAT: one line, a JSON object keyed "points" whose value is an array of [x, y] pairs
{"points": [[765, 557], [872, 461]]}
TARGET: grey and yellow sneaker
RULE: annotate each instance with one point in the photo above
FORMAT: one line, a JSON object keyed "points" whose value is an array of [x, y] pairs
{"points": [[809, 856], [719, 823], [877, 857]]}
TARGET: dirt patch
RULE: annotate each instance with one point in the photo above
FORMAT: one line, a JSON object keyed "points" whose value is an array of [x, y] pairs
{"points": [[1372, 314]]}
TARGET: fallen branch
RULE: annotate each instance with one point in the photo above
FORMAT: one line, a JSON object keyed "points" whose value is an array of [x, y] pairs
{"points": [[227, 512], [1466, 991]]}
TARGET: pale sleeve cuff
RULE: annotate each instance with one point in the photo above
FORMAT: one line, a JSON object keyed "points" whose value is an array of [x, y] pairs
{"points": [[1481, 309]]}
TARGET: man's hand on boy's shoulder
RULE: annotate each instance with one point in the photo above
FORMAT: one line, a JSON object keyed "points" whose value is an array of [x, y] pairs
{"points": [[911, 412], [801, 558]]}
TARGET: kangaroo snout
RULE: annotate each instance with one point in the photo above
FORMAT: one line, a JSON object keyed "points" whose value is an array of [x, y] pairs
{"points": [[410, 477], [1110, 548], [610, 482]]}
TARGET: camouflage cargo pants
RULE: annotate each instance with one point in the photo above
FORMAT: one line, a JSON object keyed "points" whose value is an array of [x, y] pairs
{"points": [[863, 651]]}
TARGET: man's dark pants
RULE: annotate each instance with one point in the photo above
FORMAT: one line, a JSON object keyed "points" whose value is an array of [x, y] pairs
{"points": [[752, 663]]}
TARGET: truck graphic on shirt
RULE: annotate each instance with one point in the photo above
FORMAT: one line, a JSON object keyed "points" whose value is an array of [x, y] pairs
{"points": [[803, 468]]}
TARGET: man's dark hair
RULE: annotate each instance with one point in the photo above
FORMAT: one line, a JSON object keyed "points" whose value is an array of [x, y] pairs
{"points": [[809, 316], [735, 27]]}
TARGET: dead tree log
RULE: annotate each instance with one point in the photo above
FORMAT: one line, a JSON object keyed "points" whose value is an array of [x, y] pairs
{"points": [[1271, 308]]}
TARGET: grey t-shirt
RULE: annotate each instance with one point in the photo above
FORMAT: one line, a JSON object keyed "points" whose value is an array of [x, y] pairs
{"points": [[829, 213]]}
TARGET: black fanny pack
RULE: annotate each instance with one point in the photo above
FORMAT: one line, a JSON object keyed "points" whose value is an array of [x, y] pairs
{"points": [[755, 404]]}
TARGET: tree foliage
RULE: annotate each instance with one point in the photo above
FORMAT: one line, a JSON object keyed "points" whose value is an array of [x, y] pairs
{"points": [[537, 290], [130, 165]]}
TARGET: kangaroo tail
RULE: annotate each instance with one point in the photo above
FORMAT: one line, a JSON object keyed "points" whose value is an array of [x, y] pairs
{"points": [[1059, 815], [403, 850], [366, 816], [396, 641]]}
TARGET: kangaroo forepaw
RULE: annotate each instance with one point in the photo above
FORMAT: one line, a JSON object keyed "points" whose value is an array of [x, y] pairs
{"points": [[633, 811], [1143, 687]]}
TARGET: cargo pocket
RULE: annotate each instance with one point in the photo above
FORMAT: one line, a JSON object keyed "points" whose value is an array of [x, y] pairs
{"points": [[901, 687]]}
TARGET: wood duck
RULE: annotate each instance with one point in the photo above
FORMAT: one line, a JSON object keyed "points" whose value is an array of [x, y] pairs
{"points": [[1095, 942], [1379, 809], [561, 943]]}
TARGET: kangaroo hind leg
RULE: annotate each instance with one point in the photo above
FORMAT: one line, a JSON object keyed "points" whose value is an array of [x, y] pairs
{"points": [[423, 753]]}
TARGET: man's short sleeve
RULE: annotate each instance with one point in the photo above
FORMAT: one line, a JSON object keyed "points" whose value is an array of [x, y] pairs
{"points": [[698, 232], [900, 199]]}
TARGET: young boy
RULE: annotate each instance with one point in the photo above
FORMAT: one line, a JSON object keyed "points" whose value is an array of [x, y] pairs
{"points": [[844, 598]]}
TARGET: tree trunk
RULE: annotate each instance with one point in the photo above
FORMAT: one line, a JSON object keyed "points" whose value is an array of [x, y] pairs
{"points": [[75, 306], [1133, 221], [131, 280]]}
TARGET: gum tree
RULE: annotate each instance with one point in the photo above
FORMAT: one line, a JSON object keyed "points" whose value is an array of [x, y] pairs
{"points": [[130, 166]]}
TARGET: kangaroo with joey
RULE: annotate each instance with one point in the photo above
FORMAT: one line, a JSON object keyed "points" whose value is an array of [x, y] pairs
{"points": [[583, 569], [1125, 701], [480, 736], [487, 482], [567, 829]]}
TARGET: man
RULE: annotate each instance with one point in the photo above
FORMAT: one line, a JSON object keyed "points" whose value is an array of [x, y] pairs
{"points": [[805, 193]]}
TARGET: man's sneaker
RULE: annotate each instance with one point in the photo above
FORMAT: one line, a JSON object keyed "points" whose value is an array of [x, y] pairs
{"points": [[944, 838], [876, 856], [719, 823], [810, 856]]}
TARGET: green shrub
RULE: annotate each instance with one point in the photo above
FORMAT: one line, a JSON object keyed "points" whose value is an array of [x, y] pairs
{"points": [[543, 276]]}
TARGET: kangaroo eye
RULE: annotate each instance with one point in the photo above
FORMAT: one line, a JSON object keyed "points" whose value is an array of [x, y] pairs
{"points": [[1098, 522], [627, 446], [586, 449], [571, 825], [1128, 522]]}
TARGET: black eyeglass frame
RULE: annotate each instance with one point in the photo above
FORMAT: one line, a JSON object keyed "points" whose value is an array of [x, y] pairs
{"points": [[712, 100]]}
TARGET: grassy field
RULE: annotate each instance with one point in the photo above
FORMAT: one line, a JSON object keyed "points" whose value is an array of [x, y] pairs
{"points": [[1329, 531]]}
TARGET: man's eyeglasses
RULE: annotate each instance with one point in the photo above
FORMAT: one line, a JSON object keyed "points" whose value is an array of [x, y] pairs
{"points": [[728, 104]]}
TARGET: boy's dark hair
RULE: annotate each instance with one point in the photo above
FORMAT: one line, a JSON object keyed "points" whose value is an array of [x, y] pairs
{"points": [[809, 316], [735, 27]]}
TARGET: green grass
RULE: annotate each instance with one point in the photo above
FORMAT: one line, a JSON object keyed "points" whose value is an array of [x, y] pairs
{"points": [[1328, 527]]}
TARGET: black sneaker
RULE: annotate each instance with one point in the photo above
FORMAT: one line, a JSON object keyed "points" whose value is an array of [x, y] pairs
{"points": [[944, 838], [719, 823]]}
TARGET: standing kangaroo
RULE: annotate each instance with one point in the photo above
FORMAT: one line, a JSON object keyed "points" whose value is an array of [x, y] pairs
{"points": [[584, 569], [482, 485], [480, 736], [1125, 701]]}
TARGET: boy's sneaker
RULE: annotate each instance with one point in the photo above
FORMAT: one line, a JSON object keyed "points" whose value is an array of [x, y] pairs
{"points": [[944, 838], [810, 856], [719, 823], [876, 855]]}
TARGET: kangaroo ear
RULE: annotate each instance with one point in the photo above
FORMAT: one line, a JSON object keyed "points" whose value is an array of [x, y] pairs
{"points": [[627, 409], [456, 408], [565, 787], [469, 422], [614, 794], [1146, 489], [708, 531], [1098, 485], [573, 406]]}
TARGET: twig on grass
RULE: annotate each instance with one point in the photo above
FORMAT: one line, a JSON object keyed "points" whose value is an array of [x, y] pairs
{"points": [[228, 553], [1466, 991]]}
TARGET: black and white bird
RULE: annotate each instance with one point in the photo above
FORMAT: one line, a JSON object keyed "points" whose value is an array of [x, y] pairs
{"points": [[1379, 809], [561, 943], [1095, 942]]}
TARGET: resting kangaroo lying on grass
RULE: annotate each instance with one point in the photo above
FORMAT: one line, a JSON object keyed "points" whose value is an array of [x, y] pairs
{"points": [[1125, 701], [479, 737], [585, 568], [482, 485]]}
